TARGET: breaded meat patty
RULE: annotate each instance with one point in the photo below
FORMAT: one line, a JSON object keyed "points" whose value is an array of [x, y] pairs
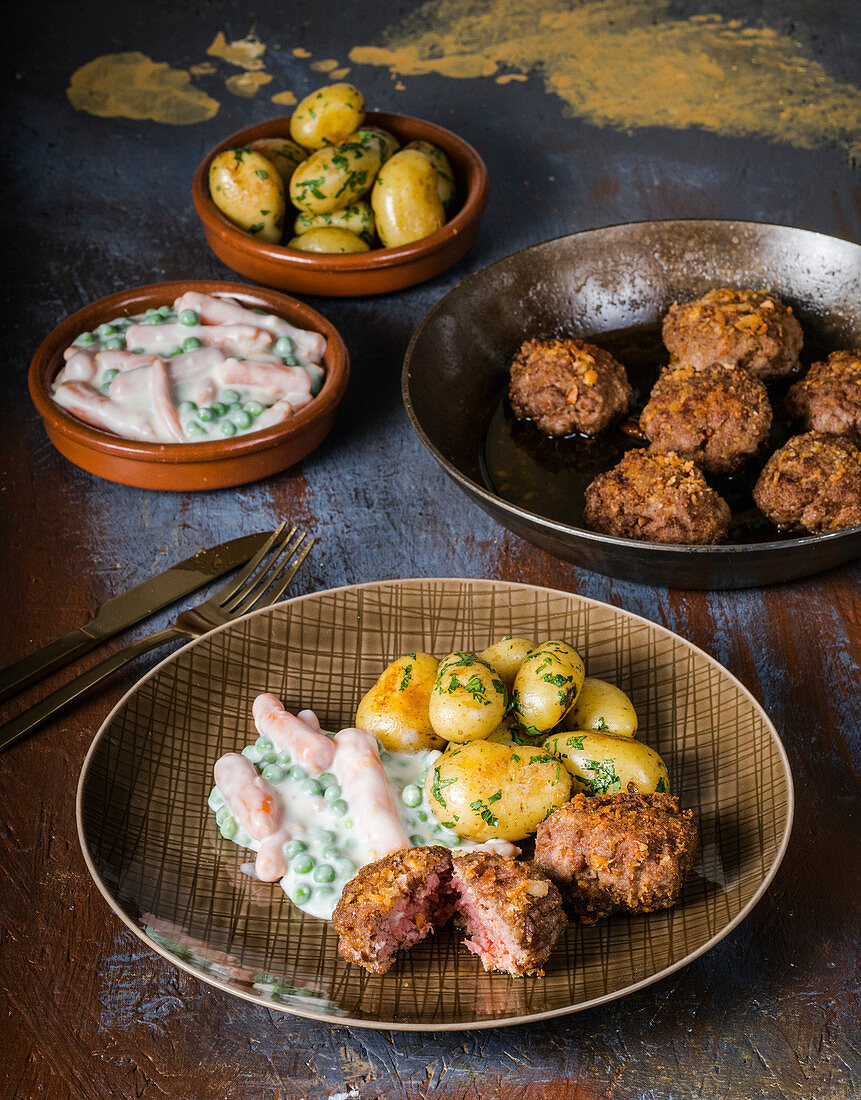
{"points": [[656, 497], [748, 328], [717, 416], [610, 852], [512, 912], [828, 398], [568, 386], [393, 904], [813, 483]]}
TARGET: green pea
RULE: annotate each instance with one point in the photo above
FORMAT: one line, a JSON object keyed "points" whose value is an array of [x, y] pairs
{"points": [[105, 388], [227, 429], [301, 894], [110, 375], [345, 867], [223, 814], [311, 786], [327, 779], [283, 757], [190, 407], [229, 829], [294, 847], [105, 330], [418, 841], [421, 815], [263, 743], [138, 351], [273, 773], [324, 873], [303, 863], [252, 752], [268, 757], [411, 795], [191, 343], [174, 352], [206, 414], [196, 429], [217, 408], [339, 808], [85, 338], [316, 376], [290, 361], [423, 777], [385, 756], [229, 396], [241, 418], [327, 836], [188, 317], [284, 346], [298, 772], [114, 343], [330, 853], [253, 408], [331, 794], [164, 311], [325, 891], [449, 839]]}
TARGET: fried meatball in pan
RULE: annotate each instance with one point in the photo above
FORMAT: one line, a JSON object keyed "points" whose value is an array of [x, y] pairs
{"points": [[748, 328], [618, 852], [828, 398], [393, 904], [656, 497], [717, 416], [813, 483], [567, 386], [512, 912]]}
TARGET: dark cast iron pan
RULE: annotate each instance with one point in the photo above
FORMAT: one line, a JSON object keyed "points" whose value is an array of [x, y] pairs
{"points": [[613, 286]]}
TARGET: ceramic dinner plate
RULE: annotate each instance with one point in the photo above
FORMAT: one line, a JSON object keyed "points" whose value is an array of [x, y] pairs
{"points": [[155, 852]]}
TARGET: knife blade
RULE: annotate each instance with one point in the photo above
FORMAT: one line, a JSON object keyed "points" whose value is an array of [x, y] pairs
{"points": [[130, 607]]}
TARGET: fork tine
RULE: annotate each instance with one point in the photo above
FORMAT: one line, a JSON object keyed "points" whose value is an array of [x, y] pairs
{"points": [[255, 592], [260, 580], [236, 582], [274, 596]]}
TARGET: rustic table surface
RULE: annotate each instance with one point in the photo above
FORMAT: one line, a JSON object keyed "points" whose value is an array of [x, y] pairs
{"points": [[586, 114]]}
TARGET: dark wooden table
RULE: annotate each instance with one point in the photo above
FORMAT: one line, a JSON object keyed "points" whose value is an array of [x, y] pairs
{"points": [[598, 114]]}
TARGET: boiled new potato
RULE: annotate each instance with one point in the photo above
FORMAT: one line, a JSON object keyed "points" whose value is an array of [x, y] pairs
{"points": [[395, 710], [506, 656], [285, 154], [247, 189], [507, 732], [547, 683], [446, 185], [328, 239], [468, 700], [358, 218], [405, 200], [604, 707], [483, 789], [334, 177], [385, 143], [327, 116], [602, 763]]}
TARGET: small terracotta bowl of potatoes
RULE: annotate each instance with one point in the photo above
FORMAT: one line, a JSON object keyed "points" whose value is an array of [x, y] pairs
{"points": [[336, 200]]}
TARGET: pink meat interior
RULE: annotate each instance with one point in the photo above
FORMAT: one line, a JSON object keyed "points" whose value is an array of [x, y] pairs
{"points": [[414, 917], [487, 933]]}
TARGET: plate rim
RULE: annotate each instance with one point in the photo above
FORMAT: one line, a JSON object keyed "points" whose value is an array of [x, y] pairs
{"points": [[386, 1025], [568, 530]]}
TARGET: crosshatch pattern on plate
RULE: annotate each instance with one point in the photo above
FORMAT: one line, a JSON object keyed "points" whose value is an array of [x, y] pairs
{"points": [[155, 846]]}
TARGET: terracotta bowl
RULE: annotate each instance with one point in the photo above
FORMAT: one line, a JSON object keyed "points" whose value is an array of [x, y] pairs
{"points": [[182, 466], [376, 272]]}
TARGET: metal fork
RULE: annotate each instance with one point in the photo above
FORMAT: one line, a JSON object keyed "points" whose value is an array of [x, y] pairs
{"points": [[259, 584]]}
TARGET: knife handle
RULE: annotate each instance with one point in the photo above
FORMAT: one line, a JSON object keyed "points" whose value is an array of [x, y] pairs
{"points": [[34, 716], [54, 655]]}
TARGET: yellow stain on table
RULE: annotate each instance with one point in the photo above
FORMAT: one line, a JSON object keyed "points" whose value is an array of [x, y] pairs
{"points": [[246, 84], [286, 98], [246, 53], [132, 85], [630, 64]]}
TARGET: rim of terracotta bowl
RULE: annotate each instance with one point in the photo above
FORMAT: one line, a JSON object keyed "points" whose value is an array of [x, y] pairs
{"points": [[469, 168], [48, 361]]}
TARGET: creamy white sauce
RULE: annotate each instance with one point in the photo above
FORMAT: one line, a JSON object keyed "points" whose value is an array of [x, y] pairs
{"points": [[314, 823], [204, 369]]}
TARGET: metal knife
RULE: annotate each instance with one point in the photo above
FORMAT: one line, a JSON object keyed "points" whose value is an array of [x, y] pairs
{"points": [[139, 602]]}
